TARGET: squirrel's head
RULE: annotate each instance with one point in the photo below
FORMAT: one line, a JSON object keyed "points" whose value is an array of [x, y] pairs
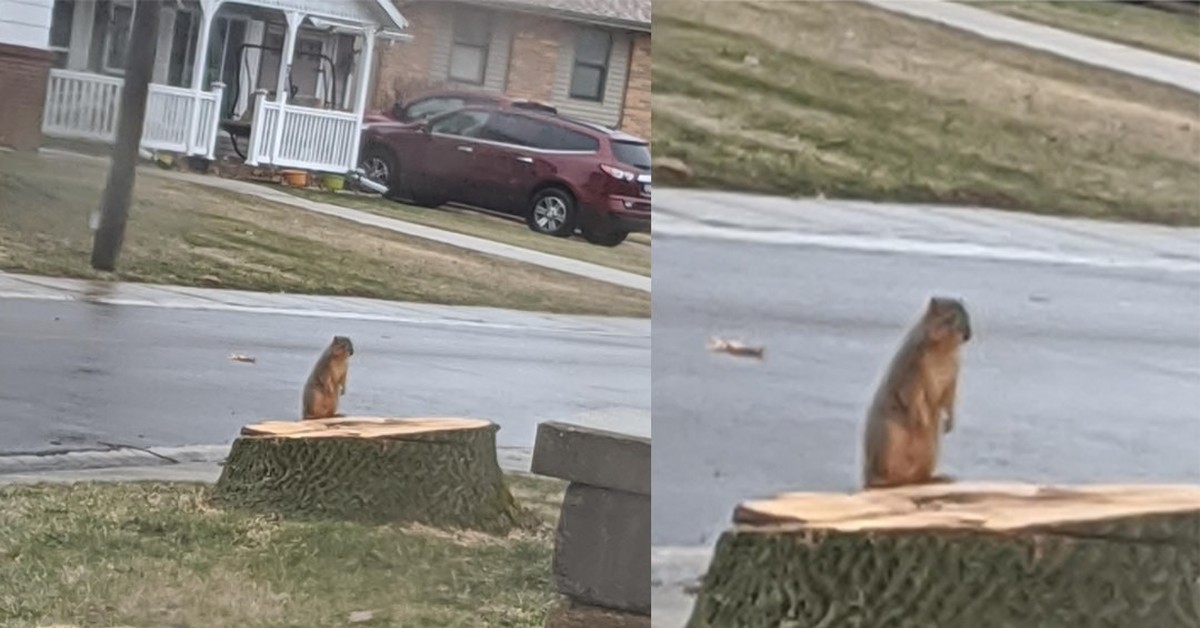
{"points": [[343, 343], [945, 316]]}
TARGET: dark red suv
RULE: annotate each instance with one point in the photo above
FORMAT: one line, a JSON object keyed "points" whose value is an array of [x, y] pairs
{"points": [[560, 174]]}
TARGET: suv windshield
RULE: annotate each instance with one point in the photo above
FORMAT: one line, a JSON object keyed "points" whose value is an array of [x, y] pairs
{"points": [[632, 154]]}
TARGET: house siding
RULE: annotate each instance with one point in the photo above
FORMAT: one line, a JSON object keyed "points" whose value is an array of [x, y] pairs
{"points": [[530, 56], [26, 23], [607, 112]]}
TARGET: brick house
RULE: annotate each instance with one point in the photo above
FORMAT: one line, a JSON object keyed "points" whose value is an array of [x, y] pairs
{"points": [[589, 58]]}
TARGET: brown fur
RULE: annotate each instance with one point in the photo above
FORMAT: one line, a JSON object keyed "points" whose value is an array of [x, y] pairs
{"points": [[915, 402], [327, 382]]}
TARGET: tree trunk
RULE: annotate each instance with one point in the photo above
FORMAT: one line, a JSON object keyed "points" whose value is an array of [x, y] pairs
{"points": [[960, 556], [118, 191], [437, 472]]}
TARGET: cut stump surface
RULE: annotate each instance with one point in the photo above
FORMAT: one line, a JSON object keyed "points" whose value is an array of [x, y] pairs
{"points": [[441, 472], [960, 555]]}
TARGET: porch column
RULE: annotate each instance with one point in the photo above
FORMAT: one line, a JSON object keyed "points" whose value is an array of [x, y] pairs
{"points": [[208, 13], [294, 19], [362, 80], [83, 19]]}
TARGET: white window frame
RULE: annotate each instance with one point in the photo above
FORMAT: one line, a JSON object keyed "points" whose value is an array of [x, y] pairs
{"points": [[108, 34]]}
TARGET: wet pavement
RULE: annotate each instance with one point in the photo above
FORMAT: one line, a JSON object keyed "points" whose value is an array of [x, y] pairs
{"points": [[153, 367]]}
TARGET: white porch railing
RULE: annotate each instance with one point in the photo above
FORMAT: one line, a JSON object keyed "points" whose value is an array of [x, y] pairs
{"points": [[311, 139], [81, 105]]}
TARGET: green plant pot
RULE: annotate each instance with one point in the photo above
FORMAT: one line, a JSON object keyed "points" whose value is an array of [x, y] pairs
{"points": [[333, 182]]}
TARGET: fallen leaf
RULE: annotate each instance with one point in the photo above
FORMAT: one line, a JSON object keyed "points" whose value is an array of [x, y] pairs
{"points": [[211, 280], [358, 617], [238, 357], [735, 348]]}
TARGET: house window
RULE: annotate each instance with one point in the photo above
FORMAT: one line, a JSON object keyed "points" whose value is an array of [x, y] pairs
{"points": [[183, 48], [593, 47], [61, 21], [116, 39], [469, 51]]}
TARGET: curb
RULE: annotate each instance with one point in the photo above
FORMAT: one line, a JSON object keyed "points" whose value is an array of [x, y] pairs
{"points": [[510, 459], [118, 457]]}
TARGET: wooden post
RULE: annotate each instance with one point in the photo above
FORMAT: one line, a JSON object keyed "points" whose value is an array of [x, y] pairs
{"points": [[118, 192]]}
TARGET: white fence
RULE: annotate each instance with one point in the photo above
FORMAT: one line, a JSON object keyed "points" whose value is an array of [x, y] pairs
{"points": [[311, 139], [84, 106]]}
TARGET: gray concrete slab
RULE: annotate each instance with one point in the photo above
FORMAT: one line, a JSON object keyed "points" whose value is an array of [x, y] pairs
{"points": [[602, 551], [595, 457], [1113, 56]]}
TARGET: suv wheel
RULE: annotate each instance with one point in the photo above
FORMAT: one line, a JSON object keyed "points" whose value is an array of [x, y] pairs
{"points": [[552, 212], [380, 166], [605, 237]]}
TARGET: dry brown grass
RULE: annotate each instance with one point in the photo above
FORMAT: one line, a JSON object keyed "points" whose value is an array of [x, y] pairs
{"points": [[157, 554], [180, 233], [850, 101]]}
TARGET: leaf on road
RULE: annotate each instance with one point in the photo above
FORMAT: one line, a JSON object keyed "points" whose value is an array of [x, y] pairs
{"points": [[240, 357], [735, 348]]}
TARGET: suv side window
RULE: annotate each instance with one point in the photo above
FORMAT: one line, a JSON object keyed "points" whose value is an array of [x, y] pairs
{"points": [[431, 107], [461, 123], [559, 138], [513, 129]]}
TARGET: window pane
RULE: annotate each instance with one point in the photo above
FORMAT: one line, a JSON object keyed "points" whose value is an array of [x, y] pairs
{"points": [[587, 82], [637, 155], [472, 28], [512, 129], [558, 138], [467, 64], [118, 36], [431, 107], [465, 123], [592, 47]]}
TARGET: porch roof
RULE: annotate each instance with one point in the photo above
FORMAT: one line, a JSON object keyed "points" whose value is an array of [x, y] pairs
{"points": [[382, 13], [628, 14]]}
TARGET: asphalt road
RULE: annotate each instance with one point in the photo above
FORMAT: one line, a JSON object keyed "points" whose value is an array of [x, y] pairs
{"points": [[74, 374], [1078, 372]]}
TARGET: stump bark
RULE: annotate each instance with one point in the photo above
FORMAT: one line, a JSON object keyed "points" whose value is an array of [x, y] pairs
{"points": [[960, 556], [437, 472]]}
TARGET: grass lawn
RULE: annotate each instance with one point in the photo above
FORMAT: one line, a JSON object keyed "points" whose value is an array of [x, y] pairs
{"points": [[1160, 31], [633, 255], [805, 98], [157, 554], [179, 233]]}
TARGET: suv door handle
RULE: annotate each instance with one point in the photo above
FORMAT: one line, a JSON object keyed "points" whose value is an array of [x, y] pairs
{"points": [[525, 160], [466, 149]]}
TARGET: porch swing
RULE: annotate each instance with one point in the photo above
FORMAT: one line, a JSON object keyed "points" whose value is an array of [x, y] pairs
{"points": [[239, 128]]}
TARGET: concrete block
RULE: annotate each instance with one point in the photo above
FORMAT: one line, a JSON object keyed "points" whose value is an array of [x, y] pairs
{"points": [[595, 457], [573, 615], [602, 554]]}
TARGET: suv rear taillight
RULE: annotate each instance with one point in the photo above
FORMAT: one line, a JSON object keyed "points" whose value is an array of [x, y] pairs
{"points": [[619, 174]]}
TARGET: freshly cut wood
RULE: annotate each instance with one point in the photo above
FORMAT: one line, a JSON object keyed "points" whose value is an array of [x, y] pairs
{"points": [[967, 555], [435, 471]]}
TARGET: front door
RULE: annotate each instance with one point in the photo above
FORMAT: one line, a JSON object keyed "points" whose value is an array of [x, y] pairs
{"points": [[507, 167]]}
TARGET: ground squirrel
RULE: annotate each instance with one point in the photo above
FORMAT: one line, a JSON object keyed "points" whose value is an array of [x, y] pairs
{"points": [[914, 404], [327, 382]]}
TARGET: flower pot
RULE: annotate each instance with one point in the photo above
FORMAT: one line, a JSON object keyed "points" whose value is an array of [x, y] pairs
{"points": [[295, 178], [333, 182]]}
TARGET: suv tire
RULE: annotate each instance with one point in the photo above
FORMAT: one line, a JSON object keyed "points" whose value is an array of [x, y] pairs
{"points": [[553, 211], [381, 166]]}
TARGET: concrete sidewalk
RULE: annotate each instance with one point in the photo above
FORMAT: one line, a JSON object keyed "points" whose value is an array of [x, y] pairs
{"points": [[15, 286], [1090, 50], [480, 245]]}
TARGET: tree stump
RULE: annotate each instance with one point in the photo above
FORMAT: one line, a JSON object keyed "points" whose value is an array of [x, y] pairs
{"points": [[437, 472], [960, 556]]}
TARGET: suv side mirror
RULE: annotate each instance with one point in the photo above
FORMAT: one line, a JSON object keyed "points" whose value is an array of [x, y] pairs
{"points": [[423, 125], [398, 112]]}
